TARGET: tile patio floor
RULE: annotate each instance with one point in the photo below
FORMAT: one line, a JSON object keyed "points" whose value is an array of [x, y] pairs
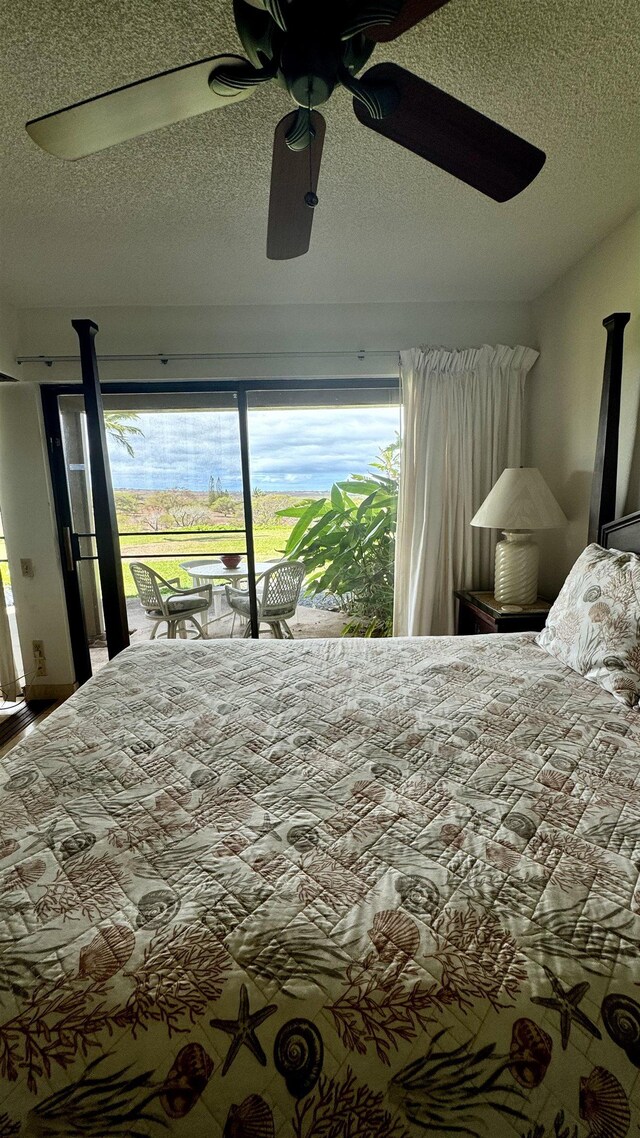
{"points": [[309, 623]]}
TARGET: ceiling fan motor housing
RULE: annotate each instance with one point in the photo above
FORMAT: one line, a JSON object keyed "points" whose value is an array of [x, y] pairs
{"points": [[310, 54], [308, 70]]}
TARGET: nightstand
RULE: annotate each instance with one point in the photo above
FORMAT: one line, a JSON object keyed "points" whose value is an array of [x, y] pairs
{"points": [[480, 612]]}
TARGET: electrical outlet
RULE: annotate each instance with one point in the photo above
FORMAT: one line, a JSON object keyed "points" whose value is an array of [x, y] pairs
{"points": [[26, 566], [39, 657]]}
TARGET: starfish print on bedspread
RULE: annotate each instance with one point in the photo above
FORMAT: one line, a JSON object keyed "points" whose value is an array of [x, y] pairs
{"points": [[566, 1001], [243, 1030]]}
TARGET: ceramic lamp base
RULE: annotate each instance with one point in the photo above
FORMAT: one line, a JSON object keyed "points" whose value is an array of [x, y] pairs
{"points": [[516, 580]]}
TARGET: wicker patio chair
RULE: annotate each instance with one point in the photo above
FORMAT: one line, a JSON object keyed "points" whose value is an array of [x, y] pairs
{"points": [[164, 601], [280, 588]]}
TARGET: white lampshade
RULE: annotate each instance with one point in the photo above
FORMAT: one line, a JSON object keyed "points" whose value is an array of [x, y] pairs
{"points": [[520, 500]]}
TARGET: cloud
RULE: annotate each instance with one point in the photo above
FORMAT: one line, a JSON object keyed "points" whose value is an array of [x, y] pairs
{"points": [[306, 449]]}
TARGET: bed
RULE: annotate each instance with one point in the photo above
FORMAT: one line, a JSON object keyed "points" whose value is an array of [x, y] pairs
{"points": [[325, 889], [413, 909]]}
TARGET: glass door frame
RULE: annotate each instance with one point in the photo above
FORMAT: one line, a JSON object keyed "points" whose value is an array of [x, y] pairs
{"points": [[242, 389]]}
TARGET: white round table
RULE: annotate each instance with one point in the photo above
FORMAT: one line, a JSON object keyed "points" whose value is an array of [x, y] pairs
{"points": [[216, 571], [203, 572]]}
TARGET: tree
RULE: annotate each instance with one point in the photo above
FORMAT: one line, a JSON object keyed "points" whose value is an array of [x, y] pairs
{"points": [[347, 543], [182, 507], [120, 427], [224, 505], [127, 503], [152, 514], [216, 489]]}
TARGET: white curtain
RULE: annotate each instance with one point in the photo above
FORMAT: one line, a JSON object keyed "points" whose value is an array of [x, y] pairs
{"points": [[8, 681], [462, 420]]}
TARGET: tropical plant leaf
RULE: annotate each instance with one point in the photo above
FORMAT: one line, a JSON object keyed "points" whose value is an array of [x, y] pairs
{"points": [[293, 511], [336, 497], [347, 544], [356, 487], [366, 504], [376, 530], [310, 512]]}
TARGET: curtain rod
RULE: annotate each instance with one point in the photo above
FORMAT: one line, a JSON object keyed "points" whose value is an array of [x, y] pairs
{"points": [[165, 357]]}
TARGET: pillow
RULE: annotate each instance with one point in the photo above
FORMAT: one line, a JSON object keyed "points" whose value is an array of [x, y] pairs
{"points": [[594, 625]]}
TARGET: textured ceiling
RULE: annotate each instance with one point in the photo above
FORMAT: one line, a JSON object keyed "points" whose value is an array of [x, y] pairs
{"points": [[179, 217]]}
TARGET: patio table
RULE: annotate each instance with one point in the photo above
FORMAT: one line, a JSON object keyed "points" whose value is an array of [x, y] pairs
{"points": [[204, 572], [215, 570]]}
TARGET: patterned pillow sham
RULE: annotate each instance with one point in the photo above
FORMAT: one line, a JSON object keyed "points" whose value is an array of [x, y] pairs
{"points": [[594, 625]]}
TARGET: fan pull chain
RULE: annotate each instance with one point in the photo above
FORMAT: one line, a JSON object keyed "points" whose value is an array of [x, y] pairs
{"points": [[311, 198]]}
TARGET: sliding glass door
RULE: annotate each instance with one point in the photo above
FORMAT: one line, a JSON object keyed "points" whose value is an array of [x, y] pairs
{"points": [[252, 471], [324, 484]]}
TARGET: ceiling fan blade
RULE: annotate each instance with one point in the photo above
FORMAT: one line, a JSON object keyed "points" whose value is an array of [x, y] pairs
{"points": [[290, 218], [275, 8], [450, 134], [138, 108], [410, 14]]}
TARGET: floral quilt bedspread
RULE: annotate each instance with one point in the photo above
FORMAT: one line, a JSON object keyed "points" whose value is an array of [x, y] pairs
{"points": [[324, 890]]}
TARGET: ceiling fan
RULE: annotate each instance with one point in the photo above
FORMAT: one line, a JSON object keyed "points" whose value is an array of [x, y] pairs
{"points": [[310, 49]]}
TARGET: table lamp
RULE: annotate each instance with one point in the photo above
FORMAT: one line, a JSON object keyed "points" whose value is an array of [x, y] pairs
{"points": [[519, 502]]}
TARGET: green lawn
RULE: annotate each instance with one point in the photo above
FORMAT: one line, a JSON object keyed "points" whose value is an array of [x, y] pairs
{"points": [[269, 542]]}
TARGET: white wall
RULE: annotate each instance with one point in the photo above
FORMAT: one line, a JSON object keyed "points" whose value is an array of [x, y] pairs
{"points": [[301, 328], [8, 339], [563, 395], [29, 526]]}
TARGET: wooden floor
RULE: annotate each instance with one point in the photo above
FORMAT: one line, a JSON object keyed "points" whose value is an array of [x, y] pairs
{"points": [[16, 725]]}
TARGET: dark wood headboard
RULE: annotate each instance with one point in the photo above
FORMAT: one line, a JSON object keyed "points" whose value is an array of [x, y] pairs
{"points": [[604, 527], [624, 534]]}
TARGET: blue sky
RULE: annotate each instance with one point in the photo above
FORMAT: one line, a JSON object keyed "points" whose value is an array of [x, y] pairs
{"points": [[290, 449]]}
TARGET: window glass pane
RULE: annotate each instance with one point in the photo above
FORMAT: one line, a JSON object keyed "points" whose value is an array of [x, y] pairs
{"points": [[176, 474], [326, 463], [10, 607]]}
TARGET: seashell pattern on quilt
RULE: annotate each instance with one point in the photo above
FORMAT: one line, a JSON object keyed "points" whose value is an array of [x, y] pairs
{"points": [[321, 889], [594, 625]]}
